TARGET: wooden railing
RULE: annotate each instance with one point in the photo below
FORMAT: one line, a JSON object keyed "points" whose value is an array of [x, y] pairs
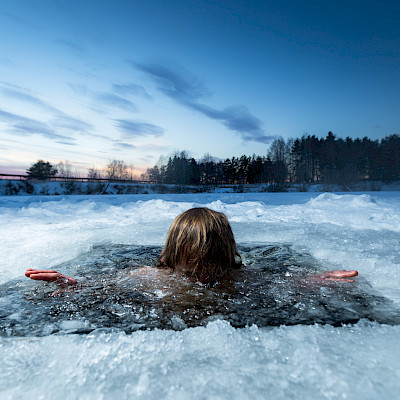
{"points": [[16, 177]]}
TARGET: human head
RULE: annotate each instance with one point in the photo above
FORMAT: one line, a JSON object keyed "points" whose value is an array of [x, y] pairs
{"points": [[200, 242]]}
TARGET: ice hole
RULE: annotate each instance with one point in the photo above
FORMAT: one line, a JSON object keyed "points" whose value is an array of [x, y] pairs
{"points": [[271, 289]]}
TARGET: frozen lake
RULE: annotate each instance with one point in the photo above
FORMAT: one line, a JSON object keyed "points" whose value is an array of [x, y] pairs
{"points": [[217, 360]]}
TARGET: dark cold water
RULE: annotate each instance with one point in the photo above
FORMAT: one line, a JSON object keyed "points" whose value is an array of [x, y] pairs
{"points": [[273, 288]]}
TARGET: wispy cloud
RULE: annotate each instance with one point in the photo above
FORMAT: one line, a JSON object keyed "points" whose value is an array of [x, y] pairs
{"points": [[57, 118], [114, 100], [188, 90], [176, 82], [131, 89], [26, 127], [66, 143], [123, 145], [24, 95], [73, 124], [84, 73], [237, 119], [130, 128]]}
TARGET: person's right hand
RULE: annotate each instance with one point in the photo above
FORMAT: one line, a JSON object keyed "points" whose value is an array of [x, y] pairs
{"points": [[339, 274], [49, 276], [336, 275]]}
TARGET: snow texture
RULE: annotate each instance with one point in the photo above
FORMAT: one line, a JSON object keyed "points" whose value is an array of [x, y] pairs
{"points": [[352, 231]]}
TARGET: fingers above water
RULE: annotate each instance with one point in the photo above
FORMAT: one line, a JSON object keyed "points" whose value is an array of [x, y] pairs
{"points": [[32, 271], [339, 274], [49, 276]]}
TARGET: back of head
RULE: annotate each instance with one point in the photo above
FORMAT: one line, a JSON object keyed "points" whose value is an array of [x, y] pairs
{"points": [[200, 241]]}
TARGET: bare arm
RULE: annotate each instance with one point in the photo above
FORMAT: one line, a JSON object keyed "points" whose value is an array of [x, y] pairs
{"points": [[49, 276]]}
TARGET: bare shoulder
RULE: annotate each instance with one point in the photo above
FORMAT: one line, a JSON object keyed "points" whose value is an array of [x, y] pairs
{"points": [[148, 271]]}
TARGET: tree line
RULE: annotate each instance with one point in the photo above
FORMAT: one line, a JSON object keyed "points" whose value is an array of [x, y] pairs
{"points": [[306, 160]]}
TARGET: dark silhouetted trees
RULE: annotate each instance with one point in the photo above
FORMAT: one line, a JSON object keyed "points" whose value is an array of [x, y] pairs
{"points": [[308, 159], [41, 170]]}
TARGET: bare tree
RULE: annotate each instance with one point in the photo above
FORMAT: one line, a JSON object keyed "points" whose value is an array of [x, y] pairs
{"points": [[94, 173], [117, 170], [131, 168], [144, 176], [64, 169]]}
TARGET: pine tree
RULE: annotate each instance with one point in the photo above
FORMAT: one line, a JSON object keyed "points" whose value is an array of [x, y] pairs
{"points": [[41, 170]]}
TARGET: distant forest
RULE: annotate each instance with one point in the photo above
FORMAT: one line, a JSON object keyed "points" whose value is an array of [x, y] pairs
{"points": [[307, 160]]}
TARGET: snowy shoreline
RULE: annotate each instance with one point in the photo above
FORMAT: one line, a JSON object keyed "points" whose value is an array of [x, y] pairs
{"points": [[57, 188]]}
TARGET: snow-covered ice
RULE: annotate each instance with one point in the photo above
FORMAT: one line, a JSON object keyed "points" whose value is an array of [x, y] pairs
{"points": [[352, 231]]}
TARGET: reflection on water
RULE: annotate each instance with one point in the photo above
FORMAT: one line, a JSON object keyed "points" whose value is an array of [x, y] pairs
{"points": [[272, 289]]}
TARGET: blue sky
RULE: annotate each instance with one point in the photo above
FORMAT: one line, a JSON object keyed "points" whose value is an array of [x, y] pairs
{"points": [[91, 81]]}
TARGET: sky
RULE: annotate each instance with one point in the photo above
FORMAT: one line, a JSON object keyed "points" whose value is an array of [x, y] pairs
{"points": [[133, 80]]}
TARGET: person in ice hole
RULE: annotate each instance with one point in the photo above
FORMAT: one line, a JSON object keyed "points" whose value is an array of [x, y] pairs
{"points": [[200, 245]]}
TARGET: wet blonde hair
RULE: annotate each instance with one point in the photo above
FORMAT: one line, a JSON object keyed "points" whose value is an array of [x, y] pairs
{"points": [[201, 240]]}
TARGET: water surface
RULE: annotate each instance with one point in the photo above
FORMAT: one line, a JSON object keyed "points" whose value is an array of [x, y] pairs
{"points": [[272, 288]]}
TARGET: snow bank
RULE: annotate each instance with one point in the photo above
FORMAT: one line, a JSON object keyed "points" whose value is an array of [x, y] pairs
{"points": [[213, 362]]}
